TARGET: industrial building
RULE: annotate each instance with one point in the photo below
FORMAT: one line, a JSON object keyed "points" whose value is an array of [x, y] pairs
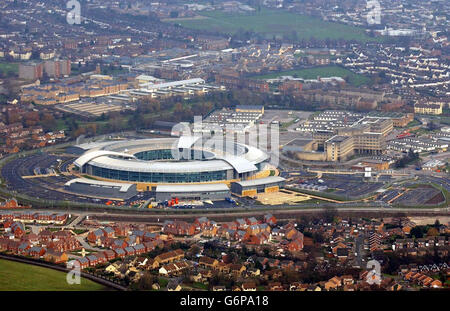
{"points": [[339, 148], [255, 186], [53, 68], [250, 109], [429, 108], [337, 137], [105, 189], [187, 160], [212, 192], [238, 120]]}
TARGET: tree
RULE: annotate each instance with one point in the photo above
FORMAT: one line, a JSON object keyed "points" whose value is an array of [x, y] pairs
{"points": [[48, 122], [417, 232], [437, 223], [432, 232], [329, 214]]}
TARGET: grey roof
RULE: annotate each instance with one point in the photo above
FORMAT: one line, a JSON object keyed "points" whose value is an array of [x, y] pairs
{"points": [[123, 187], [259, 107], [261, 181]]}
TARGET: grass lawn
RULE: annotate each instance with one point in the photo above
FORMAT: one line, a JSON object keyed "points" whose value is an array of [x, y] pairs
{"points": [[163, 282], [413, 123], [80, 231], [324, 72], [275, 23], [199, 285], [16, 276], [9, 69]]}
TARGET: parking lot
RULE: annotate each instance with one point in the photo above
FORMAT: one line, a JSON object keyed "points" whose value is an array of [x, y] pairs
{"points": [[420, 196], [49, 187], [350, 187]]}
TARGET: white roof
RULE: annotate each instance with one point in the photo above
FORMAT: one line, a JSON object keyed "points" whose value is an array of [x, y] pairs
{"points": [[123, 187], [434, 163], [261, 181], [147, 78], [91, 155], [192, 188], [158, 86], [240, 164], [118, 155], [161, 167], [93, 144], [187, 141]]}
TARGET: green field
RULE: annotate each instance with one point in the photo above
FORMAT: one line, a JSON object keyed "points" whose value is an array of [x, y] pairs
{"points": [[324, 72], [16, 276], [9, 69], [275, 23]]}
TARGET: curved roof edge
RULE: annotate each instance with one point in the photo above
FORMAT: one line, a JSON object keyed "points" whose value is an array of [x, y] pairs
{"points": [[240, 164], [124, 187], [90, 155]]}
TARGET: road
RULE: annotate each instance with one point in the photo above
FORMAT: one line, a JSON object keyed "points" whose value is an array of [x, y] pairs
{"points": [[359, 248], [281, 214], [437, 156], [81, 239], [74, 223]]}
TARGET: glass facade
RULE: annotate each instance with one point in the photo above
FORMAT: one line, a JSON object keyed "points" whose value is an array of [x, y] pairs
{"points": [[150, 155], [166, 154], [155, 177]]}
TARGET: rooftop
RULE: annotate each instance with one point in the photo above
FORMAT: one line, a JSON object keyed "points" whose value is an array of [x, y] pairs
{"points": [[192, 188], [123, 187], [261, 181]]}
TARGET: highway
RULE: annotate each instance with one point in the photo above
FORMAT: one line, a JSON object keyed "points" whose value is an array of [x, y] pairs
{"points": [[279, 213]]}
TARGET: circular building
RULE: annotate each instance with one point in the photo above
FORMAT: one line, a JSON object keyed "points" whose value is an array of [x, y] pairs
{"points": [[150, 163]]}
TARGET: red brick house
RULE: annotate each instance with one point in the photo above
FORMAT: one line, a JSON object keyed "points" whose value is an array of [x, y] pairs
{"points": [[295, 245], [92, 259], [45, 235], [130, 251], [36, 251], [270, 219], [110, 254], [56, 257], [18, 229], [120, 252], [179, 228], [83, 262], [94, 236], [101, 258]]}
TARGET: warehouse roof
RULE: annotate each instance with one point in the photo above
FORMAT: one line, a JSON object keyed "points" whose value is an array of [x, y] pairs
{"points": [[123, 187], [261, 181], [192, 188]]}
